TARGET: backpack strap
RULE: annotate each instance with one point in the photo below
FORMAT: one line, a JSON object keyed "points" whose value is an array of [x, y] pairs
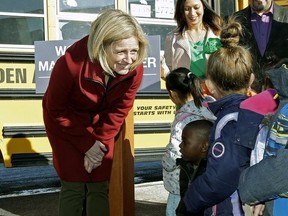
{"points": [[223, 121]]}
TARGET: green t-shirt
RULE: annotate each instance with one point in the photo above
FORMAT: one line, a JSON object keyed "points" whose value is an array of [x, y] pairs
{"points": [[198, 60]]}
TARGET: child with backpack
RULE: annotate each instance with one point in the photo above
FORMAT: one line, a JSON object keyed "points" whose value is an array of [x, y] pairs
{"points": [[193, 161], [266, 181], [233, 136], [184, 89], [271, 172]]}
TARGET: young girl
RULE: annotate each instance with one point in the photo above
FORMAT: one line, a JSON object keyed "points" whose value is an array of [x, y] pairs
{"points": [[229, 76], [184, 89]]}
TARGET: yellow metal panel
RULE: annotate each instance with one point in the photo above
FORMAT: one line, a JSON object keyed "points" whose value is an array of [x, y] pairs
{"points": [[29, 113], [17, 75], [23, 145], [21, 112], [51, 19], [122, 5], [151, 140], [282, 2], [245, 3], [242, 4], [153, 111]]}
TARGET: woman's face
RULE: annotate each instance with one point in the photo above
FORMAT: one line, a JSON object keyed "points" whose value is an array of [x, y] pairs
{"points": [[194, 11], [121, 54]]}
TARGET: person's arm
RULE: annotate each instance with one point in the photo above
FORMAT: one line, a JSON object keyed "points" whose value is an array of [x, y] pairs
{"points": [[111, 120], [271, 175], [57, 106], [172, 149], [74, 126], [168, 54], [164, 70], [170, 156]]}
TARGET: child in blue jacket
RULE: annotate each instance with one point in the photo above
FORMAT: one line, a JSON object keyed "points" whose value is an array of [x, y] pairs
{"points": [[229, 76]]}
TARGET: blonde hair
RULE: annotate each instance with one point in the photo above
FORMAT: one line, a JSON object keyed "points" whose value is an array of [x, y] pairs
{"points": [[230, 67], [114, 25]]}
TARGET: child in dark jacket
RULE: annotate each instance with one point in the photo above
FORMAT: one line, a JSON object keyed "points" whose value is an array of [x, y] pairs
{"points": [[194, 150], [233, 135]]}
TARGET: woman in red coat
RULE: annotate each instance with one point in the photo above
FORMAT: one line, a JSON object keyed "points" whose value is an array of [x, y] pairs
{"points": [[91, 90]]}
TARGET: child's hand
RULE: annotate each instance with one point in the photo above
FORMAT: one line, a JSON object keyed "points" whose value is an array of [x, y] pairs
{"points": [[258, 210]]}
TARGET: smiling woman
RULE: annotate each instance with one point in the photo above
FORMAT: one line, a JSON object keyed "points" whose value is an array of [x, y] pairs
{"points": [[91, 90], [127, 37], [122, 54], [21, 110]]}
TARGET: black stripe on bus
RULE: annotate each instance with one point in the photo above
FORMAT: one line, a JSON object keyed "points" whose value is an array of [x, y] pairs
{"points": [[41, 159], [31, 94], [39, 131], [17, 57]]}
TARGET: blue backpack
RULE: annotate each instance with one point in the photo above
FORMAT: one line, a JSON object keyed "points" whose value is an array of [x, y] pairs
{"points": [[274, 128], [278, 139], [278, 132], [271, 141]]}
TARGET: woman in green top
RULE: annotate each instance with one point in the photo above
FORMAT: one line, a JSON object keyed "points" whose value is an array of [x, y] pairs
{"points": [[194, 39]]}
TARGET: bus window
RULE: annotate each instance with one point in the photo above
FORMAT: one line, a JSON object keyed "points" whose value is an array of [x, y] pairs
{"points": [[27, 6], [85, 6], [69, 26], [21, 22], [162, 30], [155, 16], [159, 9], [74, 29], [225, 7]]}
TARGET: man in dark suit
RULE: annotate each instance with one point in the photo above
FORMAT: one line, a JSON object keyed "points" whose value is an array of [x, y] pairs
{"points": [[265, 33]]}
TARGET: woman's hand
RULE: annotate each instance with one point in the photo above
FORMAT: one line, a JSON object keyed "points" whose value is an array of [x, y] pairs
{"points": [[89, 165], [94, 156]]}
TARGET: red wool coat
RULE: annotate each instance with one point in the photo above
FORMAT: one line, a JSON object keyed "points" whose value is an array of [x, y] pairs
{"points": [[79, 109]]}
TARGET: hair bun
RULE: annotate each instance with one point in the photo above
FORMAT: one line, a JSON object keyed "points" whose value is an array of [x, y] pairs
{"points": [[231, 32]]}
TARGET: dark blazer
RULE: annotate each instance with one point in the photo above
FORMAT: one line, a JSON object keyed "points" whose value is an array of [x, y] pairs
{"points": [[277, 47]]}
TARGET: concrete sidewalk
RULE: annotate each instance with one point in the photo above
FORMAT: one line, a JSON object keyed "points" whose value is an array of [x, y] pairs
{"points": [[150, 200], [151, 192]]}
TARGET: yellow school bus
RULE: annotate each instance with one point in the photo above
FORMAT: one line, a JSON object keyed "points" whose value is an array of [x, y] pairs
{"points": [[23, 139]]}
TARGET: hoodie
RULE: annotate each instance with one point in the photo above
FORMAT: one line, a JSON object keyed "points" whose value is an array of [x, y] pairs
{"points": [[229, 154], [187, 113]]}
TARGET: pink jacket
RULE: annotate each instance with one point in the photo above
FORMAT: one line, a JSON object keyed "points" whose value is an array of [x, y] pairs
{"points": [[79, 109]]}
